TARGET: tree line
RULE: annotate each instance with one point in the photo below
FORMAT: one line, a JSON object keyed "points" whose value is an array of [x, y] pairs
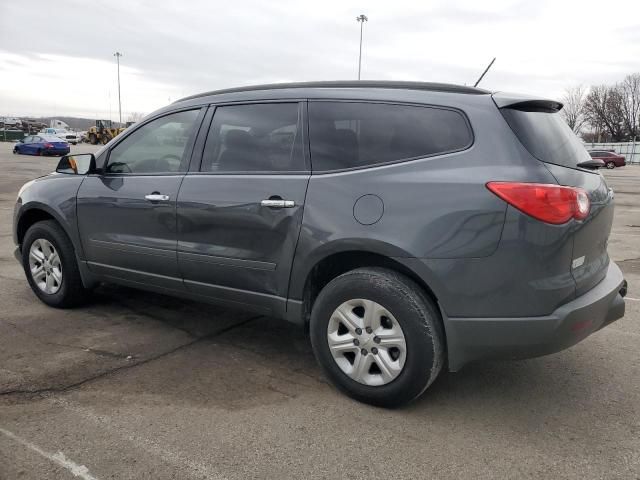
{"points": [[605, 113]]}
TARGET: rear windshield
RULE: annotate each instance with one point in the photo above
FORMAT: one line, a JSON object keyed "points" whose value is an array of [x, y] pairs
{"points": [[546, 136]]}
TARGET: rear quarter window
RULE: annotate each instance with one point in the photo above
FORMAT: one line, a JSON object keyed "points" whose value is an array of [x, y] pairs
{"points": [[346, 135], [546, 136]]}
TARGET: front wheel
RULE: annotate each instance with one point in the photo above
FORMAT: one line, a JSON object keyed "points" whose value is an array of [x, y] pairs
{"points": [[16, 151], [611, 165], [377, 336], [49, 262]]}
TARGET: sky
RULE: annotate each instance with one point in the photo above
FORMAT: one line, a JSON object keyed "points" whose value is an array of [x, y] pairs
{"points": [[56, 57]]}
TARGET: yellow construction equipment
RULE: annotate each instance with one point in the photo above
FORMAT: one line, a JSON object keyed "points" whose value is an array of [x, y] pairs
{"points": [[102, 132]]}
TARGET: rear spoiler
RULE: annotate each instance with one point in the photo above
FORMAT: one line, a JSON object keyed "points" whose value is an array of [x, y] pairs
{"points": [[525, 103]]}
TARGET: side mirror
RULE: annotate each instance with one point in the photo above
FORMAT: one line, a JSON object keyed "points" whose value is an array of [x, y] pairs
{"points": [[592, 164], [81, 164]]}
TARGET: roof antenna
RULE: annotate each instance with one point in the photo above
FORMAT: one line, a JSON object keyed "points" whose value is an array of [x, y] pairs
{"points": [[484, 73]]}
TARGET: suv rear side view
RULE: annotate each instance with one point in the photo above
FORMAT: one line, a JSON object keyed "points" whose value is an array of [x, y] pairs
{"points": [[408, 225]]}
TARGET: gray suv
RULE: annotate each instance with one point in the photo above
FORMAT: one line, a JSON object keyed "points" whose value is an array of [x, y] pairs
{"points": [[408, 225]]}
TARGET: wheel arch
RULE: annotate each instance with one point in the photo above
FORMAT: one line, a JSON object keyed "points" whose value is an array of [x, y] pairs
{"points": [[37, 212], [334, 259]]}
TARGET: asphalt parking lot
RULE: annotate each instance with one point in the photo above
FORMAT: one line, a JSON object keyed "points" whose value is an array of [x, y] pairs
{"points": [[136, 385]]}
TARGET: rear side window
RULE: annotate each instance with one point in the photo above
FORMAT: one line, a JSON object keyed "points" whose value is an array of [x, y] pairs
{"points": [[546, 136], [254, 138], [350, 135]]}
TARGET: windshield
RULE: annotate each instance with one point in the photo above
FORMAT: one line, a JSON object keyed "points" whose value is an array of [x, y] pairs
{"points": [[546, 136]]}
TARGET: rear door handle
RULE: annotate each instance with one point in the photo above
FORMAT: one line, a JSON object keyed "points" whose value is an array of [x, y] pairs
{"points": [[156, 197], [272, 203]]}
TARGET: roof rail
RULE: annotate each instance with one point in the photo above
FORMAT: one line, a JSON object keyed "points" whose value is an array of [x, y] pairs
{"points": [[403, 85]]}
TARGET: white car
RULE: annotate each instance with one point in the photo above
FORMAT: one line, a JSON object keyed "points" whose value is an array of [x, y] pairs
{"points": [[66, 135]]}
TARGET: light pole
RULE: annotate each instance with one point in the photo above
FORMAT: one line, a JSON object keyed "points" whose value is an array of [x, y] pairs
{"points": [[118, 55], [361, 19]]}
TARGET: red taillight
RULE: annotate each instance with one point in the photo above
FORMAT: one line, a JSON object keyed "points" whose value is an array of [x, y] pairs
{"points": [[48, 145], [550, 203]]}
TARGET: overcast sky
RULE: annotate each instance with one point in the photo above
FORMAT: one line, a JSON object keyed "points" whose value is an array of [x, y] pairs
{"points": [[56, 56]]}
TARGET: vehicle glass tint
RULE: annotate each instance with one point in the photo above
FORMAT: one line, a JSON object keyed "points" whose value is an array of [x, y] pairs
{"points": [[547, 137], [347, 134], [156, 147], [254, 138]]}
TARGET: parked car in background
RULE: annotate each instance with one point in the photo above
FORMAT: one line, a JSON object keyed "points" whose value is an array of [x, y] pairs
{"points": [[41, 145], [10, 122], [66, 135], [611, 159], [409, 226]]}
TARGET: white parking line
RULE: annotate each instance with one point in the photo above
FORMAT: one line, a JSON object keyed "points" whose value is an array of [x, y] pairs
{"points": [[58, 458], [631, 298]]}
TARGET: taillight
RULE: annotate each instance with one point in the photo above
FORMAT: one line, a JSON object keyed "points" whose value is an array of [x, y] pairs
{"points": [[549, 203], [48, 145]]}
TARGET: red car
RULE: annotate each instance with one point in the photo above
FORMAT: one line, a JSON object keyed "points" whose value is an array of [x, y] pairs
{"points": [[610, 159]]}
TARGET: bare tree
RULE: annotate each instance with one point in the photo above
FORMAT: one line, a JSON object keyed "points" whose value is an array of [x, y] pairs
{"points": [[630, 91], [603, 110], [574, 106], [135, 116]]}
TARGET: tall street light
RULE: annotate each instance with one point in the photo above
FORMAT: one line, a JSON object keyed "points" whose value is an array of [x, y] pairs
{"points": [[361, 19], [118, 55]]}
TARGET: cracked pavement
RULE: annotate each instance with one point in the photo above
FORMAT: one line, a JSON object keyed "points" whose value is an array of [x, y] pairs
{"points": [[141, 386]]}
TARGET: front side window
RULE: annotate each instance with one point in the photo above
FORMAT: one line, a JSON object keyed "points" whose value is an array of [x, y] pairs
{"points": [[157, 147], [254, 138], [350, 134]]}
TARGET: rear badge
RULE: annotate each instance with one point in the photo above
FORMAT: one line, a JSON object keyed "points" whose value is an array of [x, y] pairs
{"points": [[577, 262]]}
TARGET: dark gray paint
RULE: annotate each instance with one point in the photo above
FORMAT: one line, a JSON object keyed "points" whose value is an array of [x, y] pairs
{"points": [[488, 265]]}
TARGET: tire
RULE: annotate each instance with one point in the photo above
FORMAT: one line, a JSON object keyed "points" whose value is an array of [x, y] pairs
{"points": [[16, 151], [70, 291], [408, 307], [611, 165]]}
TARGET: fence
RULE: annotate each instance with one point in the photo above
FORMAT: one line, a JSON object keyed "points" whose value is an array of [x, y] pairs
{"points": [[631, 150]]}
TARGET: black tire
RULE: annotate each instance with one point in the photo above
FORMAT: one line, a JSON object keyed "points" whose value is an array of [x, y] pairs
{"points": [[71, 292], [16, 151], [611, 165], [418, 317]]}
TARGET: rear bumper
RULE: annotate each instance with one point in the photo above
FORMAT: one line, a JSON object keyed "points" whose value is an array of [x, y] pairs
{"points": [[58, 151], [470, 339]]}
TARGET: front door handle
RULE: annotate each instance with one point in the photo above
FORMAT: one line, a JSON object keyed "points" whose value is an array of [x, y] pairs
{"points": [[156, 197], [277, 203]]}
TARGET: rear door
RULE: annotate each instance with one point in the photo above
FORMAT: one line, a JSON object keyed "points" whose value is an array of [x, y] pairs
{"points": [[239, 214], [127, 214], [547, 137]]}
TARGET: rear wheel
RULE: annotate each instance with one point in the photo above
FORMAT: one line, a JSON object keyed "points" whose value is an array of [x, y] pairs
{"points": [[611, 165], [377, 336], [49, 262]]}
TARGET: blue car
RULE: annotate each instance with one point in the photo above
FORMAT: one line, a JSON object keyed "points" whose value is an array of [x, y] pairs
{"points": [[41, 145]]}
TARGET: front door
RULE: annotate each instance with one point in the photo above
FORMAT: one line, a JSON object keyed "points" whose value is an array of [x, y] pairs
{"points": [[127, 214], [239, 216]]}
